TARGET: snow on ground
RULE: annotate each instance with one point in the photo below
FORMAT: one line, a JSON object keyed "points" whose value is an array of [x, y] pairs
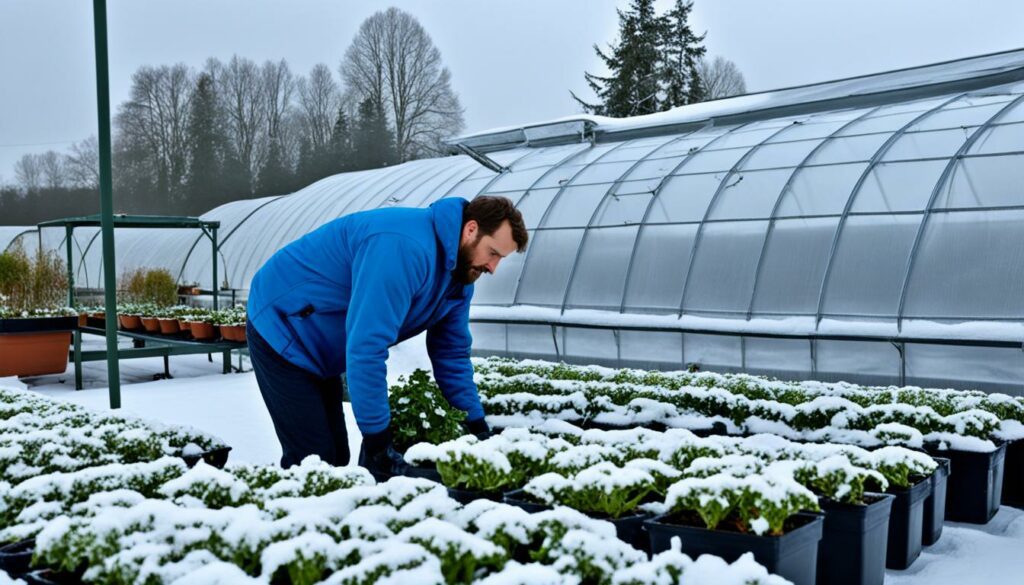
{"points": [[230, 407]]}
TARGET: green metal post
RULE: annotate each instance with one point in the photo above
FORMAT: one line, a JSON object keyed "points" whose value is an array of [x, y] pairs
{"points": [[213, 238], [68, 234], [106, 200]]}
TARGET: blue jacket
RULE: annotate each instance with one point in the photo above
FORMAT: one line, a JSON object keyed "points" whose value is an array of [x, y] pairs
{"points": [[337, 298]]}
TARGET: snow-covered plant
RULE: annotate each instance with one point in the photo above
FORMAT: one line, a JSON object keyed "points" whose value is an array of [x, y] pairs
{"points": [[461, 554], [207, 486], [590, 558], [757, 503], [902, 466], [672, 567], [604, 489], [468, 463], [420, 413], [836, 478]]}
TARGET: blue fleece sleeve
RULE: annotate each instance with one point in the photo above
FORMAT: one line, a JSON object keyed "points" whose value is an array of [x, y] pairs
{"points": [[448, 344], [387, 271]]}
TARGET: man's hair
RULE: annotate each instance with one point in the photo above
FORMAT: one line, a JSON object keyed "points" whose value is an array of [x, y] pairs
{"points": [[491, 211]]}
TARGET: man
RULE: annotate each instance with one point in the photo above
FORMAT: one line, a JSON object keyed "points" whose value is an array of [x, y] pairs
{"points": [[335, 300]]}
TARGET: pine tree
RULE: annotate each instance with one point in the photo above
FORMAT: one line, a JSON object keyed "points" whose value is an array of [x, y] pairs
{"points": [[681, 51], [633, 88], [274, 177], [373, 143], [339, 149], [205, 143]]}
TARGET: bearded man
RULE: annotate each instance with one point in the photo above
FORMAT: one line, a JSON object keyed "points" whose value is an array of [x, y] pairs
{"points": [[334, 301]]}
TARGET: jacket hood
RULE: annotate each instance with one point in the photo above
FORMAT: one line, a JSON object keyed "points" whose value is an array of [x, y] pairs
{"points": [[447, 216]]}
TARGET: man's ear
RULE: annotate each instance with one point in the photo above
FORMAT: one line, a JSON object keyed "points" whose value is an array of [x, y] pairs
{"points": [[469, 230]]}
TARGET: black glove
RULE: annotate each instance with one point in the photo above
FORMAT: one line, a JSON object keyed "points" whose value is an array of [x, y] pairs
{"points": [[379, 456], [478, 427]]}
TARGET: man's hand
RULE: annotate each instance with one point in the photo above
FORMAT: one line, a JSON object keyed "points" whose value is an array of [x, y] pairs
{"points": [[478, 427], [379, 456]]}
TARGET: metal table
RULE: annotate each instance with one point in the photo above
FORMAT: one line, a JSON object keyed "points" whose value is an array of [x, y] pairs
{"points": [[149, 345]]}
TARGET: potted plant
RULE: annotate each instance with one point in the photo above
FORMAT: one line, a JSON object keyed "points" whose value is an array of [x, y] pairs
{"points": [[604, 491], [35, 330], [727, 516], [202, 327]]}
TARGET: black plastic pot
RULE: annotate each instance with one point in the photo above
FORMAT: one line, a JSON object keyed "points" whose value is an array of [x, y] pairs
{"points": [[1013, 475], [216, 457], [466, 496], [793, 556], [935, 504], [48, 577], [16, 557], [853, 541], [521, 499], [906, 525], [630, 529], [425, 472], [975, 486]]}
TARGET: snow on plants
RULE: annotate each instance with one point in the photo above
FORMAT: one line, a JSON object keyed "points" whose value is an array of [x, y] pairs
{"points": [[603, 489], [419, 412]]}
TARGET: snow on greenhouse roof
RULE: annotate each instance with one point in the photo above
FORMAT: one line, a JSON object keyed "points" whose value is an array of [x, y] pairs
{"points": [[899, 84]]}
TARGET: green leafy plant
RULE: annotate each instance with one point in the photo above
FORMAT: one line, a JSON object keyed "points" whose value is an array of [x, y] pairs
{"points": [[420, 413]]}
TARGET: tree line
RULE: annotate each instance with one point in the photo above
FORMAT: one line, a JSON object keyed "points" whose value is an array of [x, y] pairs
{"points": [[186, 141], [658, 63]]}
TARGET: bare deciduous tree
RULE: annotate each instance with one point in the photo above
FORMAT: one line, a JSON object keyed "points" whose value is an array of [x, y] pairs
{"points": [[156, 116], [83, 164], [720, 78], [239, 86], [394, 63], [28, 172], [319, 98], [54, 173]]}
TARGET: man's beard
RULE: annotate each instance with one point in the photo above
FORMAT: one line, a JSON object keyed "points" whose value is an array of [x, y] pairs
{"points": [[464, 270]]}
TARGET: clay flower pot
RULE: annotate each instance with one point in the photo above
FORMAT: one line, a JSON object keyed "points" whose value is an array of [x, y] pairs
{"points": [[169, 326], [152, 324], [202, 331], [82, 319], [35, 346], [130, 322], [233, 332], [183, 324]]}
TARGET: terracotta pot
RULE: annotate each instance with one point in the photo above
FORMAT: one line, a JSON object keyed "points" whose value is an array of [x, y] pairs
{"points": [[152, 324], [169, 326], [82, 319], [202, 331], [98, 317], [130, 322], [34, 354], [233, 332], [183, 324]]}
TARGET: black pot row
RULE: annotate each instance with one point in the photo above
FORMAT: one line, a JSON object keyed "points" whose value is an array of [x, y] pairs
{"points": [[844, 544], [978, 483]]}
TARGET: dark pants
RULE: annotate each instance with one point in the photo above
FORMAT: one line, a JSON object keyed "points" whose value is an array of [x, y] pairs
{"points": [[306, 409]]}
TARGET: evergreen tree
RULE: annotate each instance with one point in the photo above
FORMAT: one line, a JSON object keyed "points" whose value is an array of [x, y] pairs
{"points": [[274, 177], [305, 167], [681, 51], [203, 180], [340, 145], [373, 143], [633, 87]]}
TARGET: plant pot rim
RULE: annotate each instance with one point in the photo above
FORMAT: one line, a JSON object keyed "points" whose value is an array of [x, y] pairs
{"points": [[806, 518], [38, 324]]}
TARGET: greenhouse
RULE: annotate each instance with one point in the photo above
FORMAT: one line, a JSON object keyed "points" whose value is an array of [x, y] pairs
{"points": [[865, 229]]}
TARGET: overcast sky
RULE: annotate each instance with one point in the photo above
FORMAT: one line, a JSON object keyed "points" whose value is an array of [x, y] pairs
{"points": [[512, 61]]}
